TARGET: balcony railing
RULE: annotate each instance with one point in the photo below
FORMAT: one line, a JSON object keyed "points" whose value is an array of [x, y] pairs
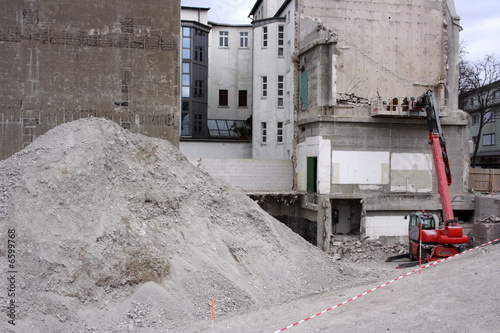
{"points": [[401, 107]]}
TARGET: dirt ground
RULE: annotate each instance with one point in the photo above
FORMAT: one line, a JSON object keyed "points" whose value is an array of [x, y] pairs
{"points": [[117, 232]]}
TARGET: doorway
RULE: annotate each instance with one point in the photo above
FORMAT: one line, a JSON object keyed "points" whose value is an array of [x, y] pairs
{"points": [[346, 216]]}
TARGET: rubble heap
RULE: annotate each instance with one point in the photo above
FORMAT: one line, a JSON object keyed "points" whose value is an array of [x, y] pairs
{"points": [[355, 250], [118, 232]]}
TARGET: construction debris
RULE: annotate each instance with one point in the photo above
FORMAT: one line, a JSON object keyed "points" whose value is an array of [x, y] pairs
{"points": [[353, 250], [116, 231]]}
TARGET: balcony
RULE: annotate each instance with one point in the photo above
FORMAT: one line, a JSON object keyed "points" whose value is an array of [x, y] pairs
{"points": [[401, 107]]}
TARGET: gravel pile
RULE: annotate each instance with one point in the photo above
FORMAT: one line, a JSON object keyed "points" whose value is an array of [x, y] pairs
{"points": [[118, 232]]}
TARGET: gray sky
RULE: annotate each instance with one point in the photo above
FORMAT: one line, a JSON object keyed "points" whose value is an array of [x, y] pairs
{"points": [[480, 20]]}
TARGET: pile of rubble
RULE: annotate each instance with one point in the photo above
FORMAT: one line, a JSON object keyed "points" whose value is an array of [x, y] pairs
{"points": [[355, 250]]}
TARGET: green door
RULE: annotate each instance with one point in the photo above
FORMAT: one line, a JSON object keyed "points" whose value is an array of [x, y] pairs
{"points": [[312, 165]]}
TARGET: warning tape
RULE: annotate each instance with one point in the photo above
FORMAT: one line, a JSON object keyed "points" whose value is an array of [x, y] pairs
{"points": [[387, 283]]}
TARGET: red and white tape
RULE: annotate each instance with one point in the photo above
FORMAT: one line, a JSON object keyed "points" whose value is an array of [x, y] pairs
{"points": [[385, 284]]}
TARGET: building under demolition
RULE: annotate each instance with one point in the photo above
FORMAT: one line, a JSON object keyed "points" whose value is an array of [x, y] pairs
{"points": [[335, 145], [334, 85]]}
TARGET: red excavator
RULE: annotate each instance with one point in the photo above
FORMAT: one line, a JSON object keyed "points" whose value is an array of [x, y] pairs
{"points": [[429, 239]]}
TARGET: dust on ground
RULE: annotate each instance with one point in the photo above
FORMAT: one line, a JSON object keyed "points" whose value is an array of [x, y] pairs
{"points": [[118, 232]]}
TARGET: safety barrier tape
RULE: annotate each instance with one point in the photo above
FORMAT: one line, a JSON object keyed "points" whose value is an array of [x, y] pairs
{"points": [[387, 283]]}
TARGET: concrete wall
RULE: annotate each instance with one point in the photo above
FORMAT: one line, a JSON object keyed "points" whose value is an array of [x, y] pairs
{"points": [[218, 150], [250, 175], [388, 48], [230, 69], [63, 60], [267, 63]]}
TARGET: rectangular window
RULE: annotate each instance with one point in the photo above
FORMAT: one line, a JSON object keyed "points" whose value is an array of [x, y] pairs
{"points": [[263, 132], [244, 39], [279, 132], [489, 117], [264, 37], [281, 40], [223, 38], [264, 86], [242, 98], [489, 139], [223, 97], [281, 85], [475, 119], [186, 80]]}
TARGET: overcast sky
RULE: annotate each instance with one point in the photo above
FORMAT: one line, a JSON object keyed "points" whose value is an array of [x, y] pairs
{"points": [[480, 20]]}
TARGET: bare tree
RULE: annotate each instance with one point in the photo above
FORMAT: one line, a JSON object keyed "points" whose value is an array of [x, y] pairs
{"points": [[476, 84]]}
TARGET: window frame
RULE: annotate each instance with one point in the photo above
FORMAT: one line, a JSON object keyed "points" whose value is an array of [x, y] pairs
{"points": [[242, 98], [279, 132], [264, 86], [223, 98], [263, 132], [281, 40], [223, 39], [281, 91], [491, 140], [244, 39], [265, 33]]}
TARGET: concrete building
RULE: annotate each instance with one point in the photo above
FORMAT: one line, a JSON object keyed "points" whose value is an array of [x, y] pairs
{"points": [[273, 84], [488, 154], [63, 60], [331, 85], [358, 148]]}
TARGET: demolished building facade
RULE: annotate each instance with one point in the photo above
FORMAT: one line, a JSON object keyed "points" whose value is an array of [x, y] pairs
{"points": [[64, 60], [362, 157]]}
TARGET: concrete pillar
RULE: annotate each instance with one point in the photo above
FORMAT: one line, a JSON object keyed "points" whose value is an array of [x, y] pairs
{"points": [[324, 222]]}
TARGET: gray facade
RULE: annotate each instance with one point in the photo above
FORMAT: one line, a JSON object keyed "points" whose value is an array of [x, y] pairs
{"points": [[65, 60]]}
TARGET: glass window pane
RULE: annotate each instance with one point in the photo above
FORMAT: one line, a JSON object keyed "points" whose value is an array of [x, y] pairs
{"points": [[186, 92], [186, 68], [211, 124], [186, 43], [186, 79], [222, 124], [186, 31], [186, 54]]}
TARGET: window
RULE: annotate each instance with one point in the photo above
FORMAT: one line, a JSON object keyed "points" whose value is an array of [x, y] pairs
{"points": [[489, 139], [242, 98], [223, 38], [186, 43], [223, 97], [279, 132], [186, 80], [244, 39], [223, 127], [198, 124], [199, 88], [475, 119], [489, 117], [263, 132], [281, 40], [281, 84], [264, 86], [264, 37], [474, 140]]}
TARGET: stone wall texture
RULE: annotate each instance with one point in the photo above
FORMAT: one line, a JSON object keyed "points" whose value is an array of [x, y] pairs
{"points": [[63, 60]]}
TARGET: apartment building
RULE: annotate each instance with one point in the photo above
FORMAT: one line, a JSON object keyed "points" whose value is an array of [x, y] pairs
{"points": [[488, 153], [216, 87]]}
